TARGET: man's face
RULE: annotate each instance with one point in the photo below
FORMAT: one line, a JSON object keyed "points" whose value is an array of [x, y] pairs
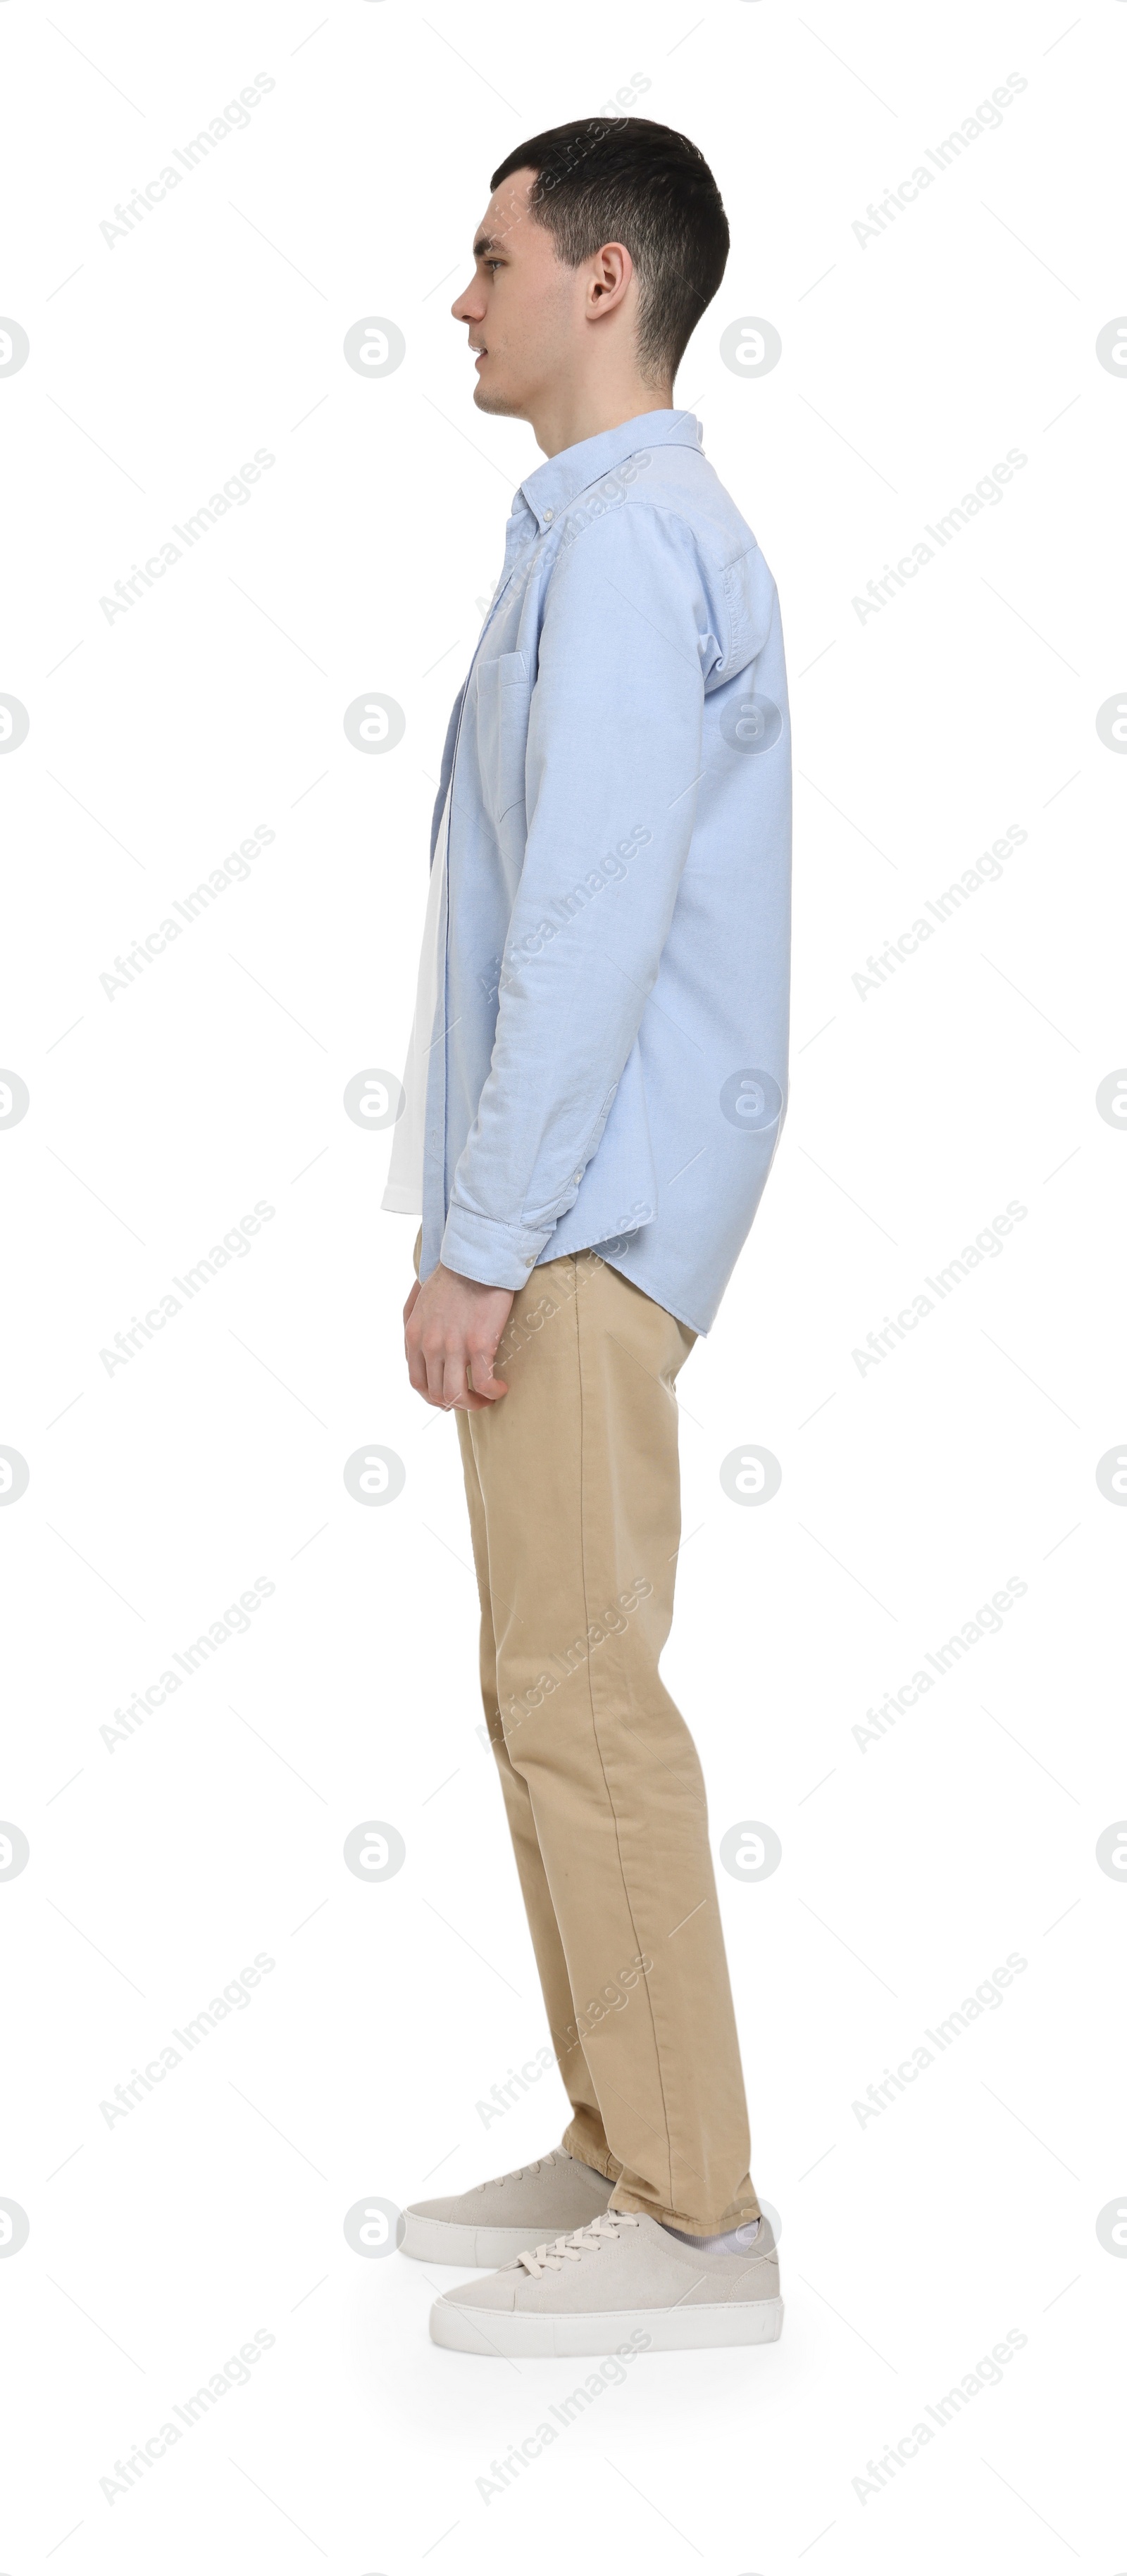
{"points": [[524, 309]]}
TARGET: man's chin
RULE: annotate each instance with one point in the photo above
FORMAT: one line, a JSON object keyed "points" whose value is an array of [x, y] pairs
{"points": [[490, 398]]}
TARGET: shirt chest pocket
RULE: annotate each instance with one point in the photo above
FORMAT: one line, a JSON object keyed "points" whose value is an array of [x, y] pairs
{"points": [[502, 734]]}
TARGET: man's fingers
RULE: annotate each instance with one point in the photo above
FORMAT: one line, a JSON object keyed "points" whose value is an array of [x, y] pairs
{"points": [[469, 1401], [459, 1395], [434, 1361], [453, 1377], [451, 1329], [482, 1377], [426, 1365], [412, 1357], [454, 1380]]}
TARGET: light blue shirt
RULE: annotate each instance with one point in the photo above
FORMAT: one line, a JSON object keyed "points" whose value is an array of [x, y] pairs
{"points": [[608, 1063]]}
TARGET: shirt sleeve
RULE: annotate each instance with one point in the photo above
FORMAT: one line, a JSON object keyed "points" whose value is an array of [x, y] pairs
{"points": [[611, 773]]}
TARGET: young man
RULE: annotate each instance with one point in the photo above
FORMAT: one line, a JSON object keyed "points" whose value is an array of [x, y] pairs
{"points": [[593, 1099]]}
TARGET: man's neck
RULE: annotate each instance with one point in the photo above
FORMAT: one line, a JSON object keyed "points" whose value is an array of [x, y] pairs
{"points": [[566, 420]]}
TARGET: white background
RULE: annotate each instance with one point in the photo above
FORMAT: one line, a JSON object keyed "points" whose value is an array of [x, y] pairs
{"points": [[911, 1866]]}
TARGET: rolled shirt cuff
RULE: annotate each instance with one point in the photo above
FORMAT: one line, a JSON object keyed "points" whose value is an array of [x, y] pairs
{"points": [[486, 1249]]}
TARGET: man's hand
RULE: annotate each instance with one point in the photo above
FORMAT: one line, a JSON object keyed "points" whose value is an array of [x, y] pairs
{"points": [[451, 1330]]}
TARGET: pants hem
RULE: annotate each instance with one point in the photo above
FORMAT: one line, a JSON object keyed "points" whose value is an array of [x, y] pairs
{"points": [[737, 2216], [601, 2162]]}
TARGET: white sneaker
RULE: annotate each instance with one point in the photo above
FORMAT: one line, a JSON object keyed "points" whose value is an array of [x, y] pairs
{"points": [[623, 2280], [499, 2219]]}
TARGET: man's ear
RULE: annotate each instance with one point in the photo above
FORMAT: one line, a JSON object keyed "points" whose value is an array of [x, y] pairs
{"points": [[613, 271]]}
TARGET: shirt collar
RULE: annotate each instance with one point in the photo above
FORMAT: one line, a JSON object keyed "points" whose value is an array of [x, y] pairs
{"points": [[555, 484]]}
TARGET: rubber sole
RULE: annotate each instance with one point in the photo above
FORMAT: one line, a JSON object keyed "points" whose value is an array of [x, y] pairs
{"points": [[442, 2240], [506, 2336]]}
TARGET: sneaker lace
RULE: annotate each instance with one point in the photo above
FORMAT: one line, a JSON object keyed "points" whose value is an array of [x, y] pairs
{"points": [[571, 2249], [519, 2171]]}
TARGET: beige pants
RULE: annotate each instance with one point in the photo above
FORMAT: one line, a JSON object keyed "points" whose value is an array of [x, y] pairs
{"points": [[574, 1497]]}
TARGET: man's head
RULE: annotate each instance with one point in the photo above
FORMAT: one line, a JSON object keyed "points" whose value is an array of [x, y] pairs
{"points": [[602, 244]]}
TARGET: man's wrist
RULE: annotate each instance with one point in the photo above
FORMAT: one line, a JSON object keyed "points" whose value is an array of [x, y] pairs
{"points": [[488, 1251], [462, 1279]]}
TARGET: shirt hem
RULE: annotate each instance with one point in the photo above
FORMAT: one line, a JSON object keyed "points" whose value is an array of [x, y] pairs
{"points": [[690, 1324]]}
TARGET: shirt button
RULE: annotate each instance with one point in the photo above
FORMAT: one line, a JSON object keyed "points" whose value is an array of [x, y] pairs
{"points": [[548, 514]]}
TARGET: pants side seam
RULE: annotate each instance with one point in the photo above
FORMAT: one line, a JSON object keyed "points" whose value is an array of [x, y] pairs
{"points": [[598, 1746]]}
